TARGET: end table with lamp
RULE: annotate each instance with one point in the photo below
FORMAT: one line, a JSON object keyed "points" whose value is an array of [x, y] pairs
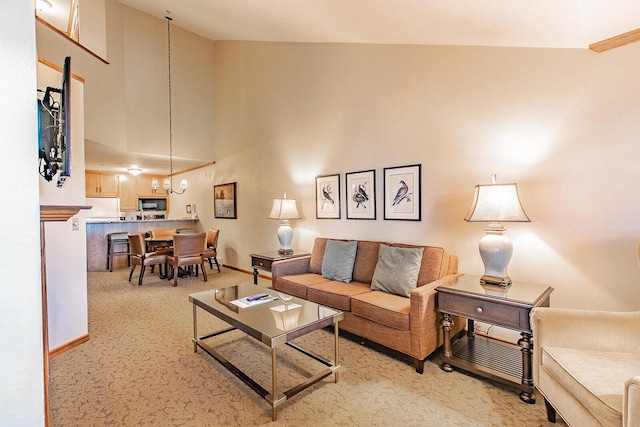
{"points": [[264, 260], [493, 298], [284, 210]]}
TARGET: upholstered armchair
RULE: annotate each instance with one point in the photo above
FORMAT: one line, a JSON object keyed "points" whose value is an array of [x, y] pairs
{"points": [[587, 365]]}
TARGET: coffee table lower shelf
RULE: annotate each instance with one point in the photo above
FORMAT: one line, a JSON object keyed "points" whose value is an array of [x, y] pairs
{"points": [[274, 398], [493, 359]]}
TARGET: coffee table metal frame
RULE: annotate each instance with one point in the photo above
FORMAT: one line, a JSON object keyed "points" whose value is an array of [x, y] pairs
{"points": [[274, 398]]}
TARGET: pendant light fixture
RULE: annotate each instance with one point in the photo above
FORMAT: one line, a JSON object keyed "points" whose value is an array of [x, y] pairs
{"points": [[183, 183]]}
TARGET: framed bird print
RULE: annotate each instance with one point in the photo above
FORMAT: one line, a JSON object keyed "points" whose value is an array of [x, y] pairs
{"points": [[402, 193], [328, 196], [361, 195]]}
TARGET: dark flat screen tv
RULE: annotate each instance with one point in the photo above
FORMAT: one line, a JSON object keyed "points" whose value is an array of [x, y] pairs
{"points": [[54, 129]]}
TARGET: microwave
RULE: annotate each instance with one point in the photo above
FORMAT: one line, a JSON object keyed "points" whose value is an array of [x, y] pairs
{"points": [[152, 204]]}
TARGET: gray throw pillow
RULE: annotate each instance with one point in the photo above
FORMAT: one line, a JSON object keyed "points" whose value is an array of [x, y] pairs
{"points": [[397, 270], [338, 260]]}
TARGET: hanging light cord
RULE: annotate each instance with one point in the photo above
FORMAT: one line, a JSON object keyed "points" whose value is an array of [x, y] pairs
{"points": [[169, 19]]}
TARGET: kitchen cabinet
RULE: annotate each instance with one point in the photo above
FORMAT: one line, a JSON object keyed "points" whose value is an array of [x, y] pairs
{"points": [[145, 188], [128, 192], [101, 184]]}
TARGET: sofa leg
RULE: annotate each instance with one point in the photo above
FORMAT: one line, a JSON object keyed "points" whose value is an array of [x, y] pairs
{"points": [[418, 365], [551, 411]]}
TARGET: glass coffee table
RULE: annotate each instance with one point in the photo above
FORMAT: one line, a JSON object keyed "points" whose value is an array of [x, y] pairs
{"points": [[273, 324]]}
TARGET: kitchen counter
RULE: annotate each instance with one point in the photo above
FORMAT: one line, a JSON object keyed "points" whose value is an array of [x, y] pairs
{"points": [[118, 221], [99, 228]]}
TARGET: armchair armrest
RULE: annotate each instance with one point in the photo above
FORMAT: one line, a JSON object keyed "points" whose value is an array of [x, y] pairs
{"points": [[583, 329], [287, 267], [631, 402], [586, 329]]}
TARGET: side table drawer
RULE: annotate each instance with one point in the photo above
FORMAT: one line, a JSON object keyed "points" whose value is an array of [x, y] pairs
{"points": [[494, 312], [261, 263]]}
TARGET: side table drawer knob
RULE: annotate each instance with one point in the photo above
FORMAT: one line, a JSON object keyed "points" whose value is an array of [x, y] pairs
{"points": [[479, 309]]}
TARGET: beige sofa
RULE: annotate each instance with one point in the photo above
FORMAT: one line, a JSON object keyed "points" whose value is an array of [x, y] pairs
{"points": [[587, 365], [410, 326]]}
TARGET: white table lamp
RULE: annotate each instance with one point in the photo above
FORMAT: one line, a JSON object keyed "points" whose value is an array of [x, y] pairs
{"points": [[496, 203], [284, 209]]}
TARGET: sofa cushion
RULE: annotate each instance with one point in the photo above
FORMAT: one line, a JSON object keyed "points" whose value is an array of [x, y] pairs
{"points": [[596, 378], [317, 254], [338, 260], [297, 284], [336, 294], [366, 260], [432, 267], [397, 270], [380, 307]]}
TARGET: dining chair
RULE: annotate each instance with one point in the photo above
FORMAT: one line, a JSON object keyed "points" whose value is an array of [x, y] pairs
{"points": [[211, 251], [187, 251], [115, 240], [140, 256], [158, 236]]}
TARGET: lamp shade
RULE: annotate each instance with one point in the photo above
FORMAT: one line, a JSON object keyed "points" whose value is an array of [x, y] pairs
{"points": [[284, 209], [496, 203]]}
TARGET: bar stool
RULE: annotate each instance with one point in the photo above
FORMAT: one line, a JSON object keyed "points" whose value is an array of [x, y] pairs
{"points": [[114, 240]]}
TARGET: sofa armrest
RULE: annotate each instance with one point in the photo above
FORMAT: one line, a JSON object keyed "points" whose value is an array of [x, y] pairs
{"points": [[631, 402], [424, 317], [299, 265]]}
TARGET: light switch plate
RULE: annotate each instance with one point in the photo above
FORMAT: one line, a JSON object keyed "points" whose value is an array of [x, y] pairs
{"points": [[74, 224]]}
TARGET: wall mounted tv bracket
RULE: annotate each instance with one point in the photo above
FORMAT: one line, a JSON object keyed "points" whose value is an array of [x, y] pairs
{"points": [[54, 115], [52, 145]]}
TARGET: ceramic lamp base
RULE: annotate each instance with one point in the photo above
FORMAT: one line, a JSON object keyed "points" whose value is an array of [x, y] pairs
{"points": [[495, 251], [285, 234]]}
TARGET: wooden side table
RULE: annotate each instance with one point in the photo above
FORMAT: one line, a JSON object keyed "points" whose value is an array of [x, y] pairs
{"points": [[508, 307], [264, 260]]}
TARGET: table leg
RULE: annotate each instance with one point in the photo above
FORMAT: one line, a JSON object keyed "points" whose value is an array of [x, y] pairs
{"points": [[336, 334], [274, 385], [527, 350], [195, 329], [255, 276], [447, 322]]}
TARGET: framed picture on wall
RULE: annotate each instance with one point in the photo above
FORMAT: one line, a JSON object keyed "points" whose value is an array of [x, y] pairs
{"points": [[328, 196], [402, 193], [361, 194], [224, 201]]}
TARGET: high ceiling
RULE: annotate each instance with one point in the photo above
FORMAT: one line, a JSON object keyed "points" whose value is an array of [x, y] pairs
{"points": [[515, 23], [520, 23]]}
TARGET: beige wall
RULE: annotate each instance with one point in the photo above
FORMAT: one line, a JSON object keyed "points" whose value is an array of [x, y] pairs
{"points": [[561, 123], [126, 100], [146, 88]]}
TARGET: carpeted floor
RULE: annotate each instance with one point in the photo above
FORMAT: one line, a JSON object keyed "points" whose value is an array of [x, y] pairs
{"points": [[139, 369]]}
